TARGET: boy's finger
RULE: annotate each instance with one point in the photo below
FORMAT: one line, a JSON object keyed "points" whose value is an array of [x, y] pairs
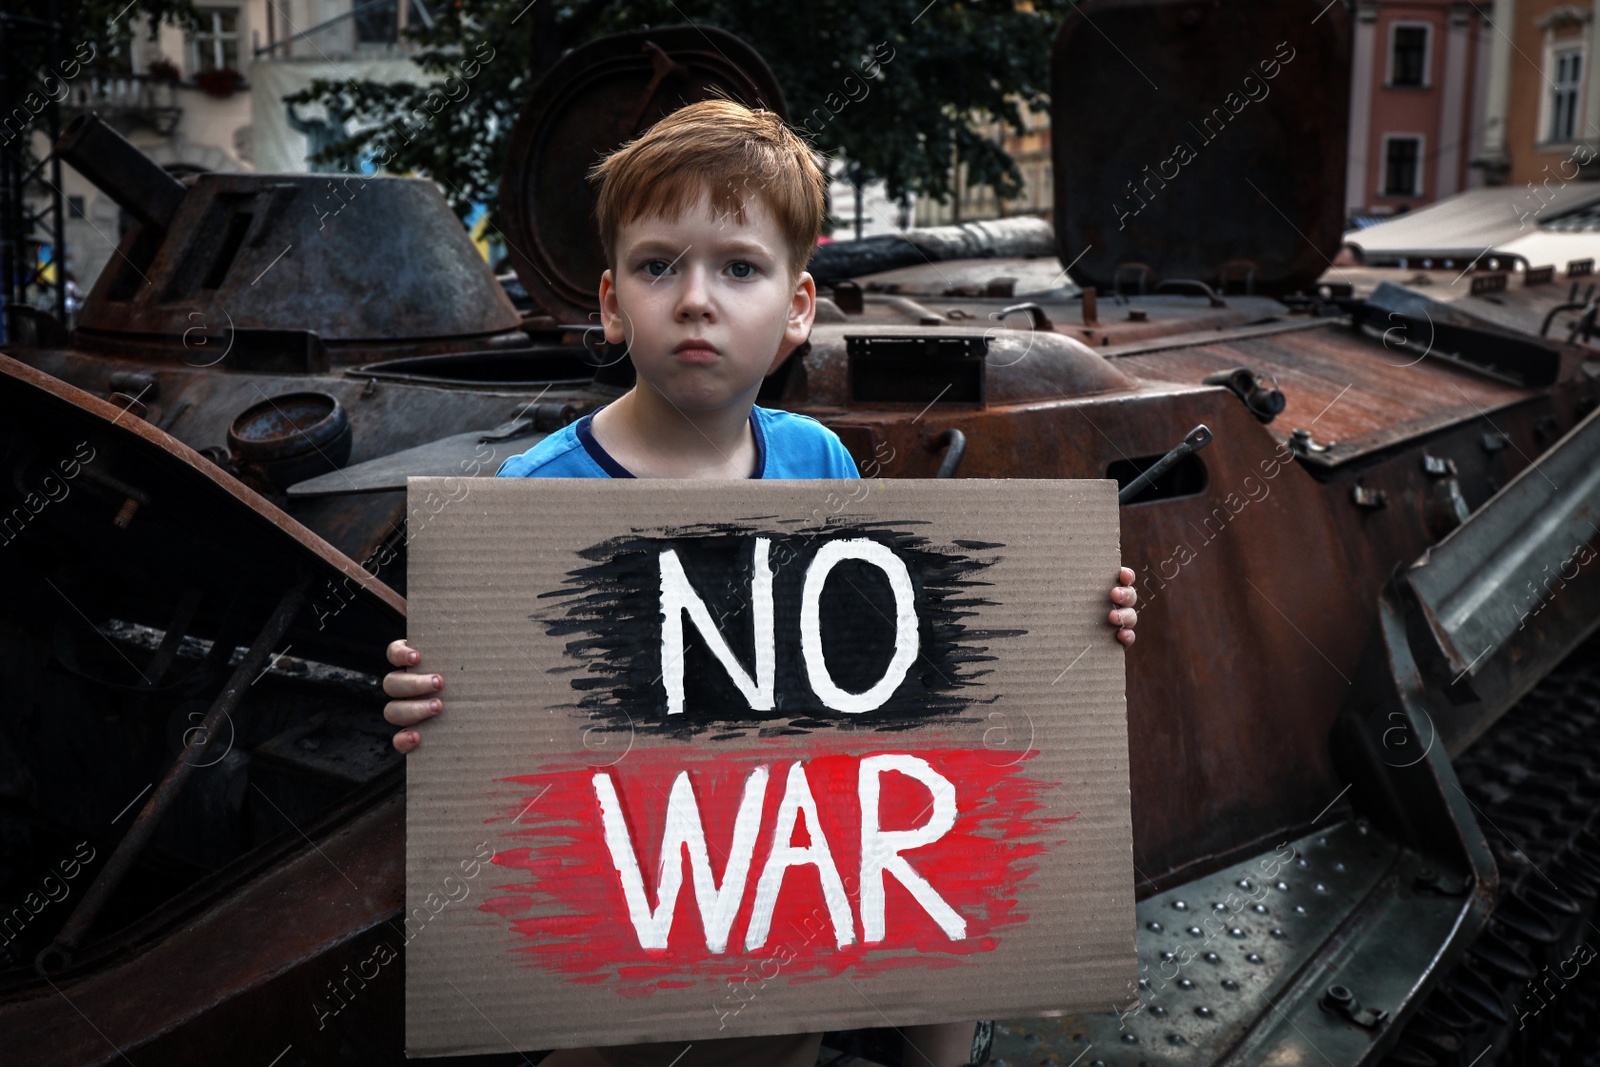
{"points": [[1125, 576], [1126, 618], [1125, 596], [406, 740], [411, 712], [405, 684], [403, 655], [1127, 637]]}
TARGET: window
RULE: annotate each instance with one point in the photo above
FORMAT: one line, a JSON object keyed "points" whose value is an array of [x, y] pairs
{"points": [[1565, 84], [377, 21], [217, 44], [1402, 166], [1408, 62]]}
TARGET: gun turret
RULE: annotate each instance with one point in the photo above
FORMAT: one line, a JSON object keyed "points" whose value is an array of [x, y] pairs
{"points": [[255, 257]]}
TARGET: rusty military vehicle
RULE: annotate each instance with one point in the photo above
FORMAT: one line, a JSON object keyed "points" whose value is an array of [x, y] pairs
{"points": [[1363, 715]]}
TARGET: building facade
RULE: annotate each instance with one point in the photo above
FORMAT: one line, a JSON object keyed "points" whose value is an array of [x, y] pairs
{"points": [[1543, 121], [1418, 103], [194, 101]]}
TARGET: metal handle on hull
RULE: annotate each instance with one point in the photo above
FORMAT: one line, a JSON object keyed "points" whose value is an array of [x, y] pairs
{"points": [[1197, 439]]}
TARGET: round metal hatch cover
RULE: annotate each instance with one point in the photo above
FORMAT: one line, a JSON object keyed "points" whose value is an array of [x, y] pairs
{"points": [[1210, 147], [597, 98]]}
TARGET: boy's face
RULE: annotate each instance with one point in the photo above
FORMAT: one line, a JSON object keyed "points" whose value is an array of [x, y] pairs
{"points": [[708, 305]]}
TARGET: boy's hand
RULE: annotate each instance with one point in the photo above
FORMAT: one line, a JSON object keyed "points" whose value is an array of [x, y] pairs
{"points": [[416, 692], [1123, 616]]}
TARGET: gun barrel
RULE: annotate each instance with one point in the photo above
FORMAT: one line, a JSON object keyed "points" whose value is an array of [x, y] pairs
{"points": [[120, 170]]}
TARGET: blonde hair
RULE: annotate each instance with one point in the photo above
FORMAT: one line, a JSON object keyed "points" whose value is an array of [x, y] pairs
{"points": [[724, 148]]}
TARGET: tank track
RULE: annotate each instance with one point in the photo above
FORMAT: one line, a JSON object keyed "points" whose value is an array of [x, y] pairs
{"points": [[1528, 990]]}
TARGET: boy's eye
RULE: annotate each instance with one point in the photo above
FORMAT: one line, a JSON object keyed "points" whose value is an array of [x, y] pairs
{"points": [[657, 267], [741, 269]]}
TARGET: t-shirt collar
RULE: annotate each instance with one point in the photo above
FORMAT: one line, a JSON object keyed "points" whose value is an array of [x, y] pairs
{"points": [[609, 464]]}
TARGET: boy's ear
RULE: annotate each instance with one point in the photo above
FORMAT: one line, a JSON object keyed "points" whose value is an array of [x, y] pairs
{"points": [[802, 312], [610, 310]]}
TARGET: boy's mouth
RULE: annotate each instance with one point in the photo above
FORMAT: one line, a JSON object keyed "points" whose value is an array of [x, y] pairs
{"points": [[696, 350]]}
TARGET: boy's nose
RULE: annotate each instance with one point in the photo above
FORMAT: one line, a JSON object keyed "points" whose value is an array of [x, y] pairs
{"points": [[694, 297]]}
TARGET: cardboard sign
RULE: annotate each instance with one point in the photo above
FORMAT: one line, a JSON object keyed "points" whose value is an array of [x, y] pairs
{"points": [[721, 759]]}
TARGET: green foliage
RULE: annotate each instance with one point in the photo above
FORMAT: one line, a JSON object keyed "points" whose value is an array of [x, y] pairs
{"points": [[106, 24], [951, 66]]}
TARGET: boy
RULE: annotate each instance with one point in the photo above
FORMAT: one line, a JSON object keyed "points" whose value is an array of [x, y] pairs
{"points": [[708, 288]]}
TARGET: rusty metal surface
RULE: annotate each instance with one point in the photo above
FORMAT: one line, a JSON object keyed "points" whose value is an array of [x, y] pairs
{"points": [[1232, 956], [160, 960], [934, 295], [36, 400], [1451, 332], [362, 527], [211, 342], [1506, 567], [225, 952], [1021, 365], [1218, 763], [197, 403], [293, 252], [597, 97], [1057, 410], [458, 455], [1231, 748], [1520, 306], [1184, 62], [1359, 394], [239, 253], [385, 416]]}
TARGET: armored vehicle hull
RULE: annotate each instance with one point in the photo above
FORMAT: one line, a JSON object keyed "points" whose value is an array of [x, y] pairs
{"points": [[1336, 633]]}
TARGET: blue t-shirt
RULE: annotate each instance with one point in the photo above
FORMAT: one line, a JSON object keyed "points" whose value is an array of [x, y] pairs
{"points": [[787, 446]]}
